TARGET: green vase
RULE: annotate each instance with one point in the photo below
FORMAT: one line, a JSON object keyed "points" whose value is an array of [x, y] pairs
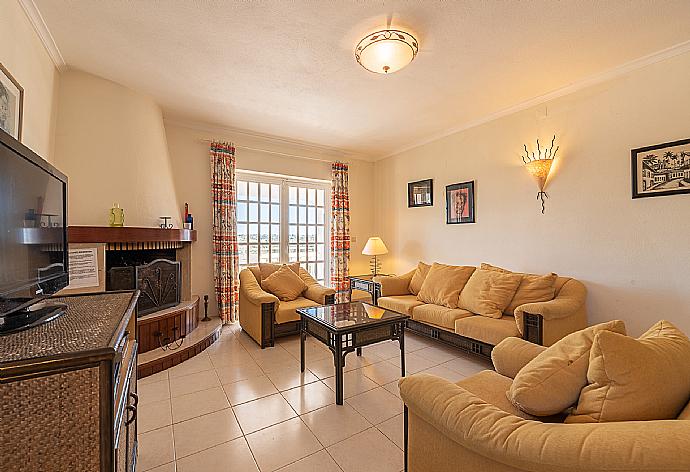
{"points": [[117, 215]]}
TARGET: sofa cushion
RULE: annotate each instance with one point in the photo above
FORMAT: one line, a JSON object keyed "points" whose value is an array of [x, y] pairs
{"points": [[636, 379], [418, 277], [400, 303], [491, 387], [443, 284], [265, 270], [552, 381], [533, 288], [439, 315], [286, 310], [488, 330], [488, 292], [284, 284]]}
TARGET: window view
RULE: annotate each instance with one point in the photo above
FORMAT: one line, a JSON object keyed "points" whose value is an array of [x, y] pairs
{"points": [[283, 220]]}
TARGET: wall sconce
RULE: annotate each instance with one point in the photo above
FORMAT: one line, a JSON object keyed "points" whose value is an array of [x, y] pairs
{"points": [[539, 166]]}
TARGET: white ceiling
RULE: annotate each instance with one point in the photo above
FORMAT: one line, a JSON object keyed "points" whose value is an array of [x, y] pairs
{"points": [[286, 67]]}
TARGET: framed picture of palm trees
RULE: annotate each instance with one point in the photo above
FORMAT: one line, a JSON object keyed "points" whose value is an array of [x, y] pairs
{"points": [[662, 169]]}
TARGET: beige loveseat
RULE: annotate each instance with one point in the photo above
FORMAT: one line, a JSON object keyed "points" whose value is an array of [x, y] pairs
{"points": [[543, 322], [264, 317], [471, 425]]}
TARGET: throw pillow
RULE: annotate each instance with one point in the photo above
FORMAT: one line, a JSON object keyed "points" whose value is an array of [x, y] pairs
{"points": [[532, 289], [488, 292], [552, 381], [636, 379], [285, 284], [418, 278], [265, 270], [443, 284]]}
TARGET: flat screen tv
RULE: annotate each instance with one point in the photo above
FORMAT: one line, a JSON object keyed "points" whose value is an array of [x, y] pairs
{"points": [[33, 237]]}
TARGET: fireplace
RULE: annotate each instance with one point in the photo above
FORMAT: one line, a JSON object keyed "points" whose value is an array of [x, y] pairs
{"points": [[155, 272]]}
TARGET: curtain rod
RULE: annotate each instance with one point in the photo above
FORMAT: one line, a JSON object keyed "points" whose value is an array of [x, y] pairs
{"points": [[268, 151]]}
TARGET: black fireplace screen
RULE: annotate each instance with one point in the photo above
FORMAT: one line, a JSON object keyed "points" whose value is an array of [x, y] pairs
{"points": [[159, 284]]}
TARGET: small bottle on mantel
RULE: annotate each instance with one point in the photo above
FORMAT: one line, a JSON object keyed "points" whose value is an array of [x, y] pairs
{"points": [[188, 220]]}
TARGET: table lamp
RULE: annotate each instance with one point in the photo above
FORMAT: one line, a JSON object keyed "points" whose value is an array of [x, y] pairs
{"points": [[375, 247]]}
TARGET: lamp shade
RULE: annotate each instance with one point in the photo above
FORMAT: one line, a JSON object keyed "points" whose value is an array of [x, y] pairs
{"points": [[374, 247], [540, 169]]}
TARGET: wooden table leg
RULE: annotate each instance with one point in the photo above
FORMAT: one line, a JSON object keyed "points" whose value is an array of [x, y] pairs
{"points": [[302, 338], [401, 340], [339, 361]]}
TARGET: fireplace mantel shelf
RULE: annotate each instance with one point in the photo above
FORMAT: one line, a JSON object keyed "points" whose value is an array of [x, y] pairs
{"points": [[127, 234]]}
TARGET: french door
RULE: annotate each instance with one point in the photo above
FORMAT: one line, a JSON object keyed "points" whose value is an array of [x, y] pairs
{"points": [[281, 219]]}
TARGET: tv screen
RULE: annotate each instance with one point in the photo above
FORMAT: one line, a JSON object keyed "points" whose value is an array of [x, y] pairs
{"points": [[33, 232]]}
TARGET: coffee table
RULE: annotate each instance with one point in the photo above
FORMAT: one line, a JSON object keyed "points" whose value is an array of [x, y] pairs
{"points": [[347, 327]]}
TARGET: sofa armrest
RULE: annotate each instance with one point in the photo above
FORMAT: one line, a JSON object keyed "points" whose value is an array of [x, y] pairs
{"points": [[253, 292], [318, 293], [512, 354], [394, 284], [535, 446], [571, 298]]}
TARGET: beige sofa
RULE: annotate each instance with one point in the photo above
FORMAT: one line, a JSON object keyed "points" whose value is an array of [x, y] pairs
{"points": [[264, 317], [473, 423], [541, 323]]}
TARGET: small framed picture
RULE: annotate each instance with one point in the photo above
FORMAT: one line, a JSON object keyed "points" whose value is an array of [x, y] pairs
{"points": [[663, 169], [420, 193], [11, 104], [460, 203]]}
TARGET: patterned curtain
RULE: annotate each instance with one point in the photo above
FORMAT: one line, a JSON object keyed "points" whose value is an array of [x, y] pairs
{"points": [[340, 232], [225, 251]]}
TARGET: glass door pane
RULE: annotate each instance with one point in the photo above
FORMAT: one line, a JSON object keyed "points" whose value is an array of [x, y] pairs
{"points": [[282, 221]]}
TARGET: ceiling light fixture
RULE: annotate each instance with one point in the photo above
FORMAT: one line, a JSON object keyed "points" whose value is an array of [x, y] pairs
{"points": [[386, 51]]}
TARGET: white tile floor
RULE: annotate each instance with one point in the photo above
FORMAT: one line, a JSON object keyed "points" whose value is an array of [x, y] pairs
{"points": [[237, 407]]}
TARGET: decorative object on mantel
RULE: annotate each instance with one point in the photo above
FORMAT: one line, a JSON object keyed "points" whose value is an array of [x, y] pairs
{"points": [[538, 164], [117, 215], [11, 104], [206, 318], [386, 51], [188, 222], [165, 224], [375, 247], [662, 169], [460, 203], [420, 193]]}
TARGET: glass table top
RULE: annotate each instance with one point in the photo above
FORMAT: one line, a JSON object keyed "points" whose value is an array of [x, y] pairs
{"points": [[348, 315]]}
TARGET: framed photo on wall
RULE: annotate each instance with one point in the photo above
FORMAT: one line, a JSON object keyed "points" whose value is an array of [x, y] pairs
{"points": [[420, 193], [11, 104], [460, 203], [663, 169]]}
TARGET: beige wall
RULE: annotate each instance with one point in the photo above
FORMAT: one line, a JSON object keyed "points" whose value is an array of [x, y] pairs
{"points": [[192, 174], [632, 255], [23, 54], [110, 141]]}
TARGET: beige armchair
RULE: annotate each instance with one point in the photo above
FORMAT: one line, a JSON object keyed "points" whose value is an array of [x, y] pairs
{"points": [[472, 423], [263, 317]]}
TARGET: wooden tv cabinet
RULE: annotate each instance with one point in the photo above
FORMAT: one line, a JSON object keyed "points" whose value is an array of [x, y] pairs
{"points": [[68, 389]]}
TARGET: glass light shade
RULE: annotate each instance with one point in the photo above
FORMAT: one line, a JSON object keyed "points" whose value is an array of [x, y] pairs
{"points": [[539, 169], [375, 247], [387, 51]]}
